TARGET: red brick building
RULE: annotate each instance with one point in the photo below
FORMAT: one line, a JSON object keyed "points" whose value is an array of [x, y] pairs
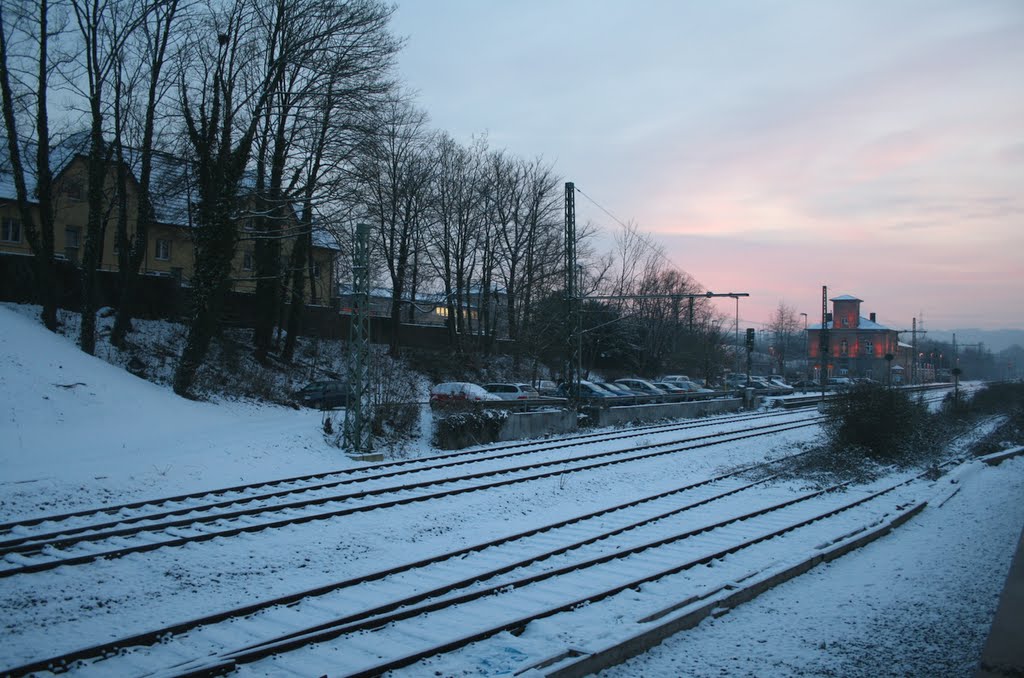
{"points": [[857, 345]]}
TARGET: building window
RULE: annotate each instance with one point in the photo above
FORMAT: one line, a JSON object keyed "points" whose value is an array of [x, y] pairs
{"points": [[248, 260], [869, 347], [163, 250], [72, 188], [72, 237], [11, 231], [845, 321], [316, 269], [844, 347]]}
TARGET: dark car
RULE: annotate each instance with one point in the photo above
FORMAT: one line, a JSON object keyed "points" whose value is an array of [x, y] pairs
{"points": [[587, 391], [323, 394]]}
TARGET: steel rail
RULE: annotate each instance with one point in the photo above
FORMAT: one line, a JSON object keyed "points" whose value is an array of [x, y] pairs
{"points": [[424, 463], [295, 520], [162, 634], [395, 611]]}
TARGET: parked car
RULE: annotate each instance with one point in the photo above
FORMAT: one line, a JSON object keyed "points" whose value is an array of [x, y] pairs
{"points": [[736, 380], [640, 386], [546, 387], [511, 391], [779, 383], [459, 391], [617, 390], [676, 377], [587, 391], [323, 394], [758, 384], [840, 383], [672, 388]]}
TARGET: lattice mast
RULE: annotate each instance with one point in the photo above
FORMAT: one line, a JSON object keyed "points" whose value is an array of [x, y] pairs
{"points": [[357, 433]]}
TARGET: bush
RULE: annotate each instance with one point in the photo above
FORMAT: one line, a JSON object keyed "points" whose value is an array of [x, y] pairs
{"points": [[465, 427], [879, 423]]}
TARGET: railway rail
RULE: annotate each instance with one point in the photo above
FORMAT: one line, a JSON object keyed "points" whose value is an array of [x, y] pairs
{"points": [[692, 540], [25, 552]]}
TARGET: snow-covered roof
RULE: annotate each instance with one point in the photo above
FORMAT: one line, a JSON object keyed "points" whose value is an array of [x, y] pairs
{"points": [[845, 297], [864, 324], [61, 155]]}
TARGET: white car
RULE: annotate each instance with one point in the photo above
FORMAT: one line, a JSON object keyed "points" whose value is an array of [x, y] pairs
{"points": [[459, 391], [510, 391]]}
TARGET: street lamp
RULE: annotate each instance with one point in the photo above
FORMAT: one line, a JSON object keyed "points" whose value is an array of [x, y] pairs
{"points": [[807, 350]]}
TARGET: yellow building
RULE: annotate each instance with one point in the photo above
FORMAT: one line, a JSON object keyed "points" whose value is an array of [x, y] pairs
{"points": [[170, 249]]}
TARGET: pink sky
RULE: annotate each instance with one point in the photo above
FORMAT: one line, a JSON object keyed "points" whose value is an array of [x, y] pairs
{"points": [[772, 147]]}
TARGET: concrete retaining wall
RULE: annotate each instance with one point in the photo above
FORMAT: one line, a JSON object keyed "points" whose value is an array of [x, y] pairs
{"points": [[611, 416], [535, 424]]}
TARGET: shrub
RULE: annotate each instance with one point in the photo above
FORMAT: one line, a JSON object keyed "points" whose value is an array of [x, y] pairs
{"points": [[879, 423], [465, 427]]}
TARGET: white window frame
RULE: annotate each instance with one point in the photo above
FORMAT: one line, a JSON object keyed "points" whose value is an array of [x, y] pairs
{"points": [[11, 230], [162, 250]]}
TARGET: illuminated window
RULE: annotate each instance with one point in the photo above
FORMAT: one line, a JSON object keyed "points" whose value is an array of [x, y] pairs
{"points": [[441, 311]]}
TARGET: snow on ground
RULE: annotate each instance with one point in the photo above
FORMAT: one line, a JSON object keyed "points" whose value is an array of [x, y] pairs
{"points": [[918, 602], [75, 431]]}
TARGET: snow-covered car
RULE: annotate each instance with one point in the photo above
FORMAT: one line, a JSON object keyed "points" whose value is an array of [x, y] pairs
{"points": [[779, 383], [323, 394], [510, 391], [459, 391]]}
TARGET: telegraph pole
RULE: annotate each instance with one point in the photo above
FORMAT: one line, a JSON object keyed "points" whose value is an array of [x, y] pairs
{"points": [[357, 433], [823, 339], [572, 301]]}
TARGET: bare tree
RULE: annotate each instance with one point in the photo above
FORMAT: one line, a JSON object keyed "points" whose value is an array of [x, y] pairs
{"points": [[456, 207], [150, 56], [33, 97], [222, 111], [104, 26], [337, 58], [522, 205], [395, 173], [784, 325]]}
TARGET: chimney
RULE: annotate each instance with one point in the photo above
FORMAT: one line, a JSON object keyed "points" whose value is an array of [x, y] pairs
{"points": [[872, 317]]}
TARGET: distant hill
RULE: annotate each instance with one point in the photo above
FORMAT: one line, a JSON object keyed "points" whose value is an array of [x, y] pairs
{"points": [[994, 340]]}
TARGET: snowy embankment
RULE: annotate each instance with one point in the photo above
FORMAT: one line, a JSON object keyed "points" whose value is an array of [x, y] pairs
{"points": [[77, 431]]}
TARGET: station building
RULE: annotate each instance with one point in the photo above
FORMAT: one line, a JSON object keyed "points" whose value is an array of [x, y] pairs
{"points": [[858, 346]]}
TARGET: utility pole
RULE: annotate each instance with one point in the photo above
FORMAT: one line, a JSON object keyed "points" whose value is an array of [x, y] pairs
{"points": [[823, 340], [357, 433], [572, 301]]}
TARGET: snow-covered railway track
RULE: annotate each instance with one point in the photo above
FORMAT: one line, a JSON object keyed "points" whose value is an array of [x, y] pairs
{"points": [[115, 539], [690, 541], [32, 528]]}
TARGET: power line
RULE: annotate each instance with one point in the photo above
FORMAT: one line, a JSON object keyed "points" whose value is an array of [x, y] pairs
{"points": [[657, 249]]}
